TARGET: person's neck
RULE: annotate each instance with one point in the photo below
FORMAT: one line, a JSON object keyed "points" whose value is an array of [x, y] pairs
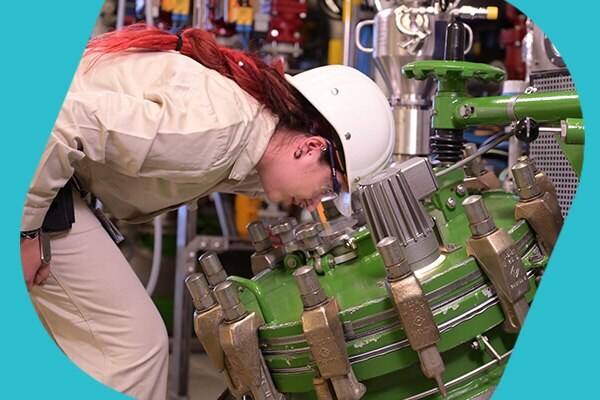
{"points": [[281, 144]]}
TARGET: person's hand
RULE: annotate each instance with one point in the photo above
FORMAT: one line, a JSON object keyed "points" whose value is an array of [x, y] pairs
{"points": [[34, 270]]}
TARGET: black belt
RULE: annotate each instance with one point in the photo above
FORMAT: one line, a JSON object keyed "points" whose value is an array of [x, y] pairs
{"points": [[61, 214]]}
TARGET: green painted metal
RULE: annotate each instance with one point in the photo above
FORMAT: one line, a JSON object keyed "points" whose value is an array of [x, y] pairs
{"points": [[447, 199], [265, 307], [452, 79], [462, 299], [460, 295], [455, 73], [542, 107], [293, 260], [453, 109], [574, 154], [575, 131]]}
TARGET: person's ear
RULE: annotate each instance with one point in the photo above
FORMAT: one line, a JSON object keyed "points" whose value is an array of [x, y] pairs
{"points": [[314, 144], [310, 145]]}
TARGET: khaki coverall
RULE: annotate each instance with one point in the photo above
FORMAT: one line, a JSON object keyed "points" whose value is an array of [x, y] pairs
{"points": [[145, 132]]}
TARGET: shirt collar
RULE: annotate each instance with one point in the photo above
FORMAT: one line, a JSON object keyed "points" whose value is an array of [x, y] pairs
{"points": [[262, 130]]}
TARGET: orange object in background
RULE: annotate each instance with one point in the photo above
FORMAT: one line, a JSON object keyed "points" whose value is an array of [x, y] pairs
{"points": [[246, 211]]}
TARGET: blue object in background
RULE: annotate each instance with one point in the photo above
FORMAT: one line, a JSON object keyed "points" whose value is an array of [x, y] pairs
{"points": [[364, 61]]}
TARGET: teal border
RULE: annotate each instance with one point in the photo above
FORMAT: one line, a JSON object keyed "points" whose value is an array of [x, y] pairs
{"points": [[43, 41], [556, 354]]}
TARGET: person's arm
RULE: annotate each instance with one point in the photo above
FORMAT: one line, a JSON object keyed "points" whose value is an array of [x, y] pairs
{"points": [[99, 126], [35, 269], [105, 127]]}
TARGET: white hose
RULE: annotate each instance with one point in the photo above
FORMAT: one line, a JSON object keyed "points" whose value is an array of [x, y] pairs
{"points": [[156, 256]]}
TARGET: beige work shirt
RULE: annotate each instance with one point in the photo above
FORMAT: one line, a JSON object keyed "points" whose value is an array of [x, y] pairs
{"points": [[147, 132]]}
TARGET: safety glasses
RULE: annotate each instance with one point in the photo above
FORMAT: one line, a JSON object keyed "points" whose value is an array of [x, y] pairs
{"points": [[336, 185]]}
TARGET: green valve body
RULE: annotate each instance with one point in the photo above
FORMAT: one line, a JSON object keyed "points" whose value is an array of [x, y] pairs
{"points": [[461, 298]]}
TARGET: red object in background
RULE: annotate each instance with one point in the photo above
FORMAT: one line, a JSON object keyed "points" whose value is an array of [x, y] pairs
{"points": [[286, 21], [512, 41], [220, 27]]}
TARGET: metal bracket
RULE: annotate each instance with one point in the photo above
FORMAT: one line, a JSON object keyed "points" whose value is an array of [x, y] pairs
{"points": [[481, 342]]}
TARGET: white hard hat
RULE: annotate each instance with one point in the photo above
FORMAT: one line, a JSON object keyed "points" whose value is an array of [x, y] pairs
{"points": [[359, 112]]}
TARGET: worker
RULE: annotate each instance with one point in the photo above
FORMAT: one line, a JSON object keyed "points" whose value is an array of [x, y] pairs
{"points": [[154, 121]]}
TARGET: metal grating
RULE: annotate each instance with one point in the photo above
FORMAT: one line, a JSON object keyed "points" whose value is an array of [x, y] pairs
{"points": [[547, 153]]}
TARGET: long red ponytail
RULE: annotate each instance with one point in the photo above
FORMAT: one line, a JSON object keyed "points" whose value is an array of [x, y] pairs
{"points": [[264, 82]]}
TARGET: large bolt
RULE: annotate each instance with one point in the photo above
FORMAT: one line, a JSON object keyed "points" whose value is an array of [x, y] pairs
{"points": [[390, 251], [259, 236], [311, 292], [480, 221], [212, 267], [229, 299], [200, 291], [524, 175]]}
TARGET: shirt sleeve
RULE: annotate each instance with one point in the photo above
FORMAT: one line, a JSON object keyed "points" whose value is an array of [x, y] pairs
{"points": [[96, 125]]}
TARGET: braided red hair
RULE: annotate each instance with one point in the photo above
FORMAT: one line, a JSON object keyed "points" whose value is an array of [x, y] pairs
{"points": [[263, 82]]}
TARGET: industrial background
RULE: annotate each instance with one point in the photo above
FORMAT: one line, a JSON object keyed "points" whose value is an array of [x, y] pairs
{"points": [[422, 292]]}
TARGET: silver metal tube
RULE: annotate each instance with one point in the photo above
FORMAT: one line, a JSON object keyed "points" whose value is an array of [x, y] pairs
{"points": [[224, 215], [148, 12], [182, 308], [120, 14], [350, 19], [482, 150]]}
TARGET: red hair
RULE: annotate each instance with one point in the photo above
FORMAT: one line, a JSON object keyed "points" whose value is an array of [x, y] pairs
{"points": [[263, 82]]}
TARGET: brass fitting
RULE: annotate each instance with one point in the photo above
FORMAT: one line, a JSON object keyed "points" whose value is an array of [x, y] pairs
{"points": [[325, 336], [207, 318], [413, 309], [238, 335], [540, 209], [498, 256]]}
